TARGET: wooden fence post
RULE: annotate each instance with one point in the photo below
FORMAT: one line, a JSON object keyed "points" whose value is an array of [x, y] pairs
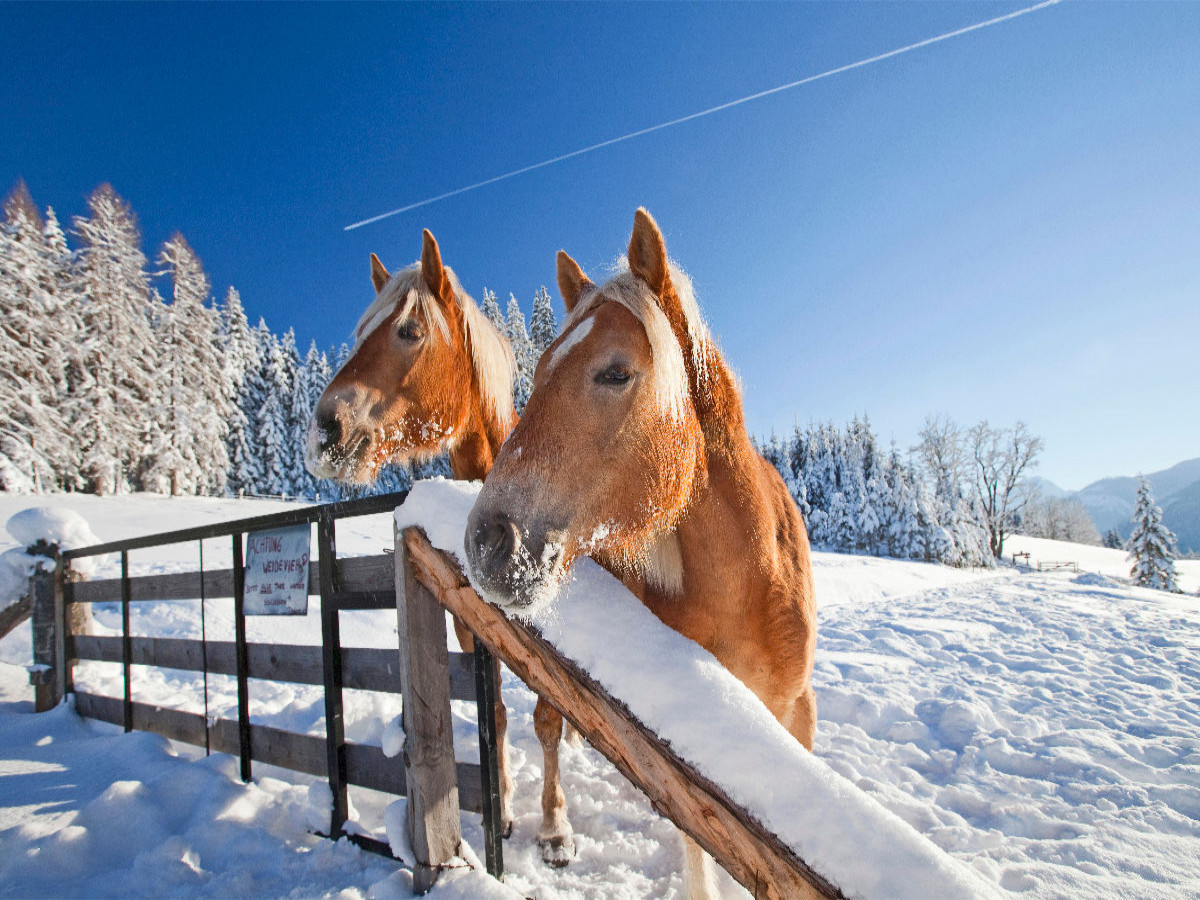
{"points": [[46, 674], [434, 830]]}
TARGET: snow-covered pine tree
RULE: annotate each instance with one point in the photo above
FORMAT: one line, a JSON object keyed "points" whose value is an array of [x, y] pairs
{"points": [[518, 337], [1152, 546], [904, 531], [543, 325], [119, 349], [191, 456], [862, 486], [296, 413], [272, 441], [34, 439], [271, 420], [490, 307], [68, 330], [1112, 539], [239, 360], [854, 498], [311, 379]]}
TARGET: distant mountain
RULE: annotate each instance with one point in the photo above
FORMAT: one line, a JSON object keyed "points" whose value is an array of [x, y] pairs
{"points": [[1182, 514], [1046, 489], [1110, 502]]}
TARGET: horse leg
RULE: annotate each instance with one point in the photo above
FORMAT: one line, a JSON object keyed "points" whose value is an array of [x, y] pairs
{"points": [[699, 877], [466, 640], [555, 837], [801, 720]]}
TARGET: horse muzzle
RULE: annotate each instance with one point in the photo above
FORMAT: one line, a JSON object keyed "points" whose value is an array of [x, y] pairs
{"points": [[516, 569], [333, 452]]}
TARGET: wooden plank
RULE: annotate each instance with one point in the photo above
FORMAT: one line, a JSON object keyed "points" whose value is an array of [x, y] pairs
{"points": [[751, 853], [368, 576], [369, 669], [434, 830], [175, 586], [363, 668], [366, 765]]}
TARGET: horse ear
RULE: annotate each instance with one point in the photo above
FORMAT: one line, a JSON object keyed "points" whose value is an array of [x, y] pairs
{"points": [[571, 280], [431, 267], [648, 252], [379, 275]]}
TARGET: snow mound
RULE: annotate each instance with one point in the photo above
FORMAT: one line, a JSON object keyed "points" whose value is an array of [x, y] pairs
{"points": [[713, 721], [1095, 579], [55, 524]]}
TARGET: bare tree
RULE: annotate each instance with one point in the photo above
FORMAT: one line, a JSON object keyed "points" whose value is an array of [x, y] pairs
{"points": [[940, 457], [1060, 519], [1002, 457]]}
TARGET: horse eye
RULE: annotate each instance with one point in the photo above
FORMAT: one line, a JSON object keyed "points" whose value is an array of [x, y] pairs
{"points": [[408, 331], [614, 375]]}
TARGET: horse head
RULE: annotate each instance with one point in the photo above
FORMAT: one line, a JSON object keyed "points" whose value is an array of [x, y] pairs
{"points": [[425, 367], [611, 443]]}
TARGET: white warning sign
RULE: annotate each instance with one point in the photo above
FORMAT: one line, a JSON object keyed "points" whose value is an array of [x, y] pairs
{"points": [[277, 572]]}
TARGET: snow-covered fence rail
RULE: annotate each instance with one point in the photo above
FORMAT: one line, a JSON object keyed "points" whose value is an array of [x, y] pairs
{"points": [[429, 775], [15, 613], [757, 858]]}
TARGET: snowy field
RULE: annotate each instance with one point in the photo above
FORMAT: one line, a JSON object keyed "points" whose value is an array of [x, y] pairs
{"points": [[1043, 729]]}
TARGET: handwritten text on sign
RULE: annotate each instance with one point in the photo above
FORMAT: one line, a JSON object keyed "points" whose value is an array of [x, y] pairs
{"points": [[277, 572]]}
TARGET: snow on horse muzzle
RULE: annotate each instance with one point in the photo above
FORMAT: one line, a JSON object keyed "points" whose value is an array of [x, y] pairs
{"points": [[518, 569]]}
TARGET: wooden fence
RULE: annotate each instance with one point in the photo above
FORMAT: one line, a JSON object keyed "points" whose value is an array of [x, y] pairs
{"points": [[420, 670], [421, 583]]}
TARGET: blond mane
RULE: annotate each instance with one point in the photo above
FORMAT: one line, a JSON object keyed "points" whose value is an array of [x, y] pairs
{"points": [[491, 355], [670, 374]]}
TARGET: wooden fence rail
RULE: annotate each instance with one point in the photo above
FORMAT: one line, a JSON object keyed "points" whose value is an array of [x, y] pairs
{"points": [[364, 669], [752, 854]]}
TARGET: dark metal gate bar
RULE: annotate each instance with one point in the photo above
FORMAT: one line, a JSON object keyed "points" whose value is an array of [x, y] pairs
{"points": [[243, 667], [126, 642], [486, 682], [331, 662]]}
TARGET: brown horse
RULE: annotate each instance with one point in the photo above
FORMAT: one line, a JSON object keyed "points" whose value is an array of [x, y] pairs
{"points": [[428, 374], [633, 450]]}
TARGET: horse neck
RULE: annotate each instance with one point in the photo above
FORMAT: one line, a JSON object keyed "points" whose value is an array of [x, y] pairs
{"points": [[729, 519], [472, 455]]}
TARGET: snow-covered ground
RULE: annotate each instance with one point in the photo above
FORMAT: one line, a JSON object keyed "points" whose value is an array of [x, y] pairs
{"points": [[1044, 729], [1101, 560]]}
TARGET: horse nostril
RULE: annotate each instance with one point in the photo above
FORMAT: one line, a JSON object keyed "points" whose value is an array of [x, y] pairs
{"points": [[495, 542], [329, 429]]}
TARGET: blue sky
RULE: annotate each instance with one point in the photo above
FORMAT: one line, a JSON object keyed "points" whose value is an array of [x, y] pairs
{"points": [[1003, 226]]}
